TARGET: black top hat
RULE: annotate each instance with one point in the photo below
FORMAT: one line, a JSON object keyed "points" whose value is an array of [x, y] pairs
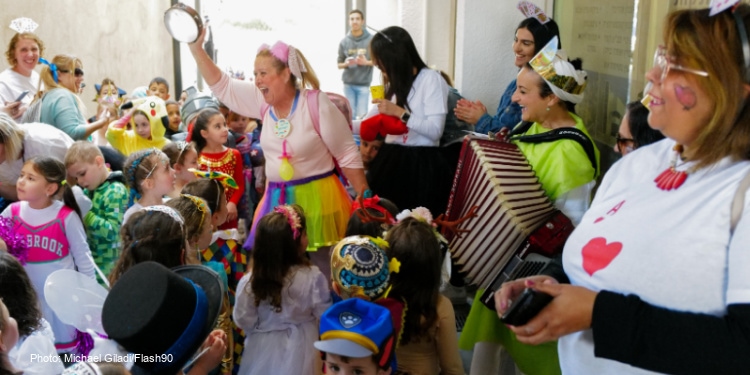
{"points": [[162, 316]]}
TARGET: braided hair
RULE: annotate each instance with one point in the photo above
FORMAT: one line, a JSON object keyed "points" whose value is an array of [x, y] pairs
{"points": [[138, 166]]}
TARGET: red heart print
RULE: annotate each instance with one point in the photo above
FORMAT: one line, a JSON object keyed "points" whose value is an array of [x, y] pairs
{"points": [[598, 254], [598, 219]]}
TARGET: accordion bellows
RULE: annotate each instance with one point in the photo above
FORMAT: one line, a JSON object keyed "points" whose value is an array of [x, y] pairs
{"points": [[496, 177]]}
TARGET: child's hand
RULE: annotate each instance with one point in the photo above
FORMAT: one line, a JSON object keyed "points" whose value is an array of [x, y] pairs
{"points": [[216, 342], [231, 211]]}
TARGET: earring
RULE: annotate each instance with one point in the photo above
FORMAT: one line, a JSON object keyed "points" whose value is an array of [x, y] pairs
{"points": [[547, 109]]}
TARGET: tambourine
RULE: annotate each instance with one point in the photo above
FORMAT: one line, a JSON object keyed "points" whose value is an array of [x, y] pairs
{"points": [[183, 23]]}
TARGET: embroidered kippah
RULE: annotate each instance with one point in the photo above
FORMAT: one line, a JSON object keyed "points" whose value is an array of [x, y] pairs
{"points": [[360, 267]]}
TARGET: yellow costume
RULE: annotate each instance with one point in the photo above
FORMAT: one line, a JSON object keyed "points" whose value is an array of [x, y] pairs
{"points": [[128, 141]]}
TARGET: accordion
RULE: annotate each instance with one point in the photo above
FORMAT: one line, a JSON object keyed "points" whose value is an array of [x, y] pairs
{"points": [[514, 215]]}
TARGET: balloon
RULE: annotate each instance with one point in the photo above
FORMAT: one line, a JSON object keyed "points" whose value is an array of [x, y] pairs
{"points": [[286, 171], [76, 299]]}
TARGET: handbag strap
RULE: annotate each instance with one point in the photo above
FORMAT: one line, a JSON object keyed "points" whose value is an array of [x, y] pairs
{"points": [[738, 202]]}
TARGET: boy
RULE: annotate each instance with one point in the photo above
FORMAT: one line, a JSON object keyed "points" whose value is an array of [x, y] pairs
{"points": [[109, 197], [357, 337], [159, 87], [149, 122], [175, 120]]}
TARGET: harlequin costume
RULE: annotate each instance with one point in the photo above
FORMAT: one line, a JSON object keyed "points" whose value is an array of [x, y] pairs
{"points": [[229, 162]]}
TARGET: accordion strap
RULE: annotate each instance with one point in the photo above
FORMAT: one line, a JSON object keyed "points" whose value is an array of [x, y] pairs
{"points": [[572, 134]]}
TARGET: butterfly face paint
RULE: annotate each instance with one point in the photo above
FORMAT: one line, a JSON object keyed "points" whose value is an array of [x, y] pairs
{"points": [[686, 96]]}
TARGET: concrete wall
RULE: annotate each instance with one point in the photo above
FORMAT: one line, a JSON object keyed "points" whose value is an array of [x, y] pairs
{"points": [[100, 33]]}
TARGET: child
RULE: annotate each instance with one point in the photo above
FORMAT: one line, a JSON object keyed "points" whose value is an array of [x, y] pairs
{"points": [[150, 178], [35, 334], [159, 87], [197, 216], [175, 121], [54, 233], [209, 134], [8, 339], [429, 343], [242, 127], [345, 327], [149, 122], [108, 98], [156, 233], [240, 124], [109, 200], [182, 158], [371, 217], [281, 299]]}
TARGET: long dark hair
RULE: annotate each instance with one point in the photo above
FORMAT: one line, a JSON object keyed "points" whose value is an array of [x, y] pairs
{"points": [[275, 252], [394, 52], [19, 295], [414, 244], [542, 33], [54, 172], [201, 123]]}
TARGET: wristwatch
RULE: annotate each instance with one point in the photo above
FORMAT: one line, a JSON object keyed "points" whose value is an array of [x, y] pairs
{"points": [[405, 116]]}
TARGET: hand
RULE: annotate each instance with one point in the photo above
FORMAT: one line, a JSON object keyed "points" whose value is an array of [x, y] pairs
{"points": [[361, 60], [389, 108], [201, 38], [217, 344], [512, 289], [13, 109], [570, 311], [350, 61], [231, 211], [469, 112]]}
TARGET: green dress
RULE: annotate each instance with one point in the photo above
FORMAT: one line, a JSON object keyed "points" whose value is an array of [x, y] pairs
{"points": [[561, 166]]}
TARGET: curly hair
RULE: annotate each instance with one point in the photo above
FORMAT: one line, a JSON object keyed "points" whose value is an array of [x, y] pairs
{"points": [[414, 244], [150, 235], [19, 295], [275, 252]]}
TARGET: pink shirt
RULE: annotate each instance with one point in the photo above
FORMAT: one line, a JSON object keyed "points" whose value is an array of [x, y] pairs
{"points": [[310, 152]]}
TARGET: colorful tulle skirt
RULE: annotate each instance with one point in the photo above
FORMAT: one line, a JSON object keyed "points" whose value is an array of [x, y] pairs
{"points": [[324, 200]]}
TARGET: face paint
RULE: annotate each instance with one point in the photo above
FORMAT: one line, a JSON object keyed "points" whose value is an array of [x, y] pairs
{"points": [[686, 96]]}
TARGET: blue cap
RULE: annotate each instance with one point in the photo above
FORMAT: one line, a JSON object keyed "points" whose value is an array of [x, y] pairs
{"points": [[356, 328]]}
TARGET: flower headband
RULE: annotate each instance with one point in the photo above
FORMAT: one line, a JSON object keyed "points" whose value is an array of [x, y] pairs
{"points": [[201, 204], [362, 204], [286, 54], [292, 217], [224, 178], [23, 25]]}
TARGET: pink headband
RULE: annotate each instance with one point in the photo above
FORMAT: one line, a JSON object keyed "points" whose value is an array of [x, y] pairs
{"points": [[286, 54], [291, 217]]}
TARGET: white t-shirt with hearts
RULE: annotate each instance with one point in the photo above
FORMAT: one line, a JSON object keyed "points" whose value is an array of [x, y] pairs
{"points": [[671, 248]]}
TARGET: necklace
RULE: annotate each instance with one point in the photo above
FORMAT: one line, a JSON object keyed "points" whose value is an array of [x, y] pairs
{"points": [[283, 127], [671, 178]]}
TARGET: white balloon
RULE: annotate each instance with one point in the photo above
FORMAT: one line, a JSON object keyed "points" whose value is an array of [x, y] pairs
{"points": [[76, 299]]}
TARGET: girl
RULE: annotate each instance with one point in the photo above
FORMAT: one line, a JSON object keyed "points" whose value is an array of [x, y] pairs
{"points": [[429, 342], [156, 233], [150, 178], [199, 230], [209, 134], [281, 300], [34, 333], [54, 231], [8, 338], [182, 157], [108, 98], [380, 216], [148, 124]]}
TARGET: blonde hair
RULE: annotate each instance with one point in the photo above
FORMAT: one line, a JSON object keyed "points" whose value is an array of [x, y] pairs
{"points": [[82, 151], [11, 136], [308, 80], [713, 44], [63, 62], [10, 53]]}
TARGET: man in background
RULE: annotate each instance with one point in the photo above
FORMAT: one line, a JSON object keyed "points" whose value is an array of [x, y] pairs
{"points": [[354, 58]]}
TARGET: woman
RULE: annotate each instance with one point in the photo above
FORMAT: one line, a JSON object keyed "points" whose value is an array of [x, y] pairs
{"points": [[410, 168], [18, 144], [531, 36], [23, 55], [60, 106], [657, 269], [634, 131], [566, 173], [299, 157]]}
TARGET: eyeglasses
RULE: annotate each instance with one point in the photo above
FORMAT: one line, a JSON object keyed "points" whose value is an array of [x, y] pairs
{"points": [[623, 142], [662, 62], [78, 72]]}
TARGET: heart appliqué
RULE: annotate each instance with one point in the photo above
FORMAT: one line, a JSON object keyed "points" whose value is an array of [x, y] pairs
{"points": [[598, 254]]}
